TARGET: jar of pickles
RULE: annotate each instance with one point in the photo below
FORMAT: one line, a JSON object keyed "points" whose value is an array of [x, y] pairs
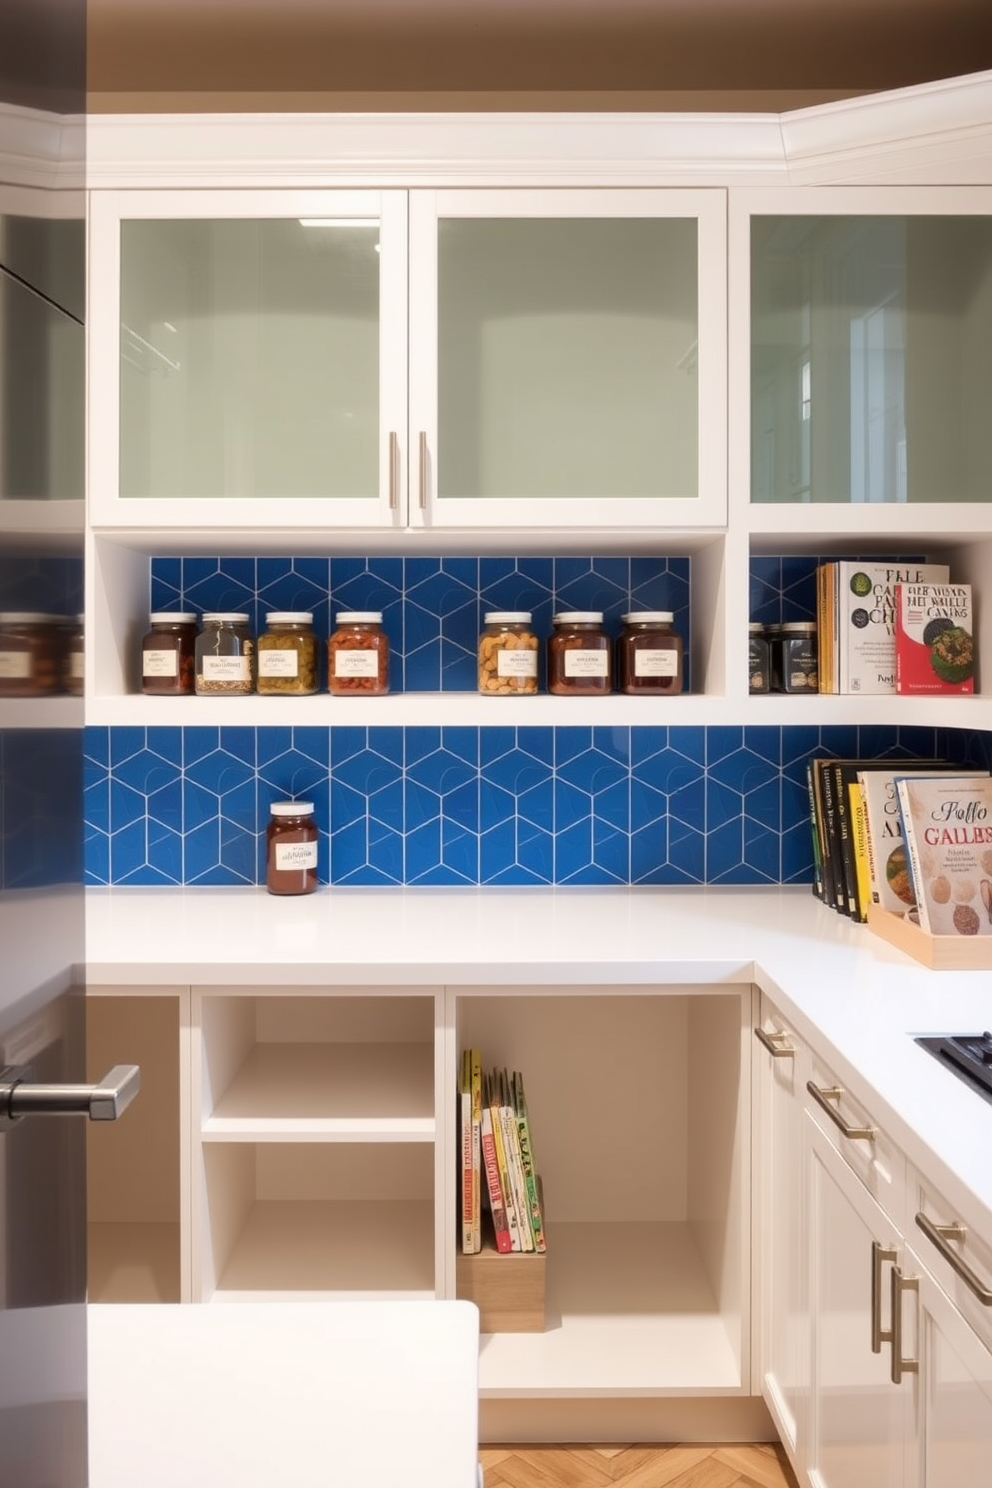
{"points": [[168, 654], [225, 655], [287, 654], [507, 654], [358, 654], [291, 848], [580, 655], [649, 653], [31, 644]]}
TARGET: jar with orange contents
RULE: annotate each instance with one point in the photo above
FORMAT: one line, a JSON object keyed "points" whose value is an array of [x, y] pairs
{"points": [[358, 655]]}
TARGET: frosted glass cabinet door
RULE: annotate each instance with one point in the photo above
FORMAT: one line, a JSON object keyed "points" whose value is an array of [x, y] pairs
{"points": [[248, 356], [870, 323], [568, 356]]}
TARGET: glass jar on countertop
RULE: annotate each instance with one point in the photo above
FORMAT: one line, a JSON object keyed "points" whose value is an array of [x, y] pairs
{"points": [[507, 654], [580, 655], [649, 653], [225, 655], [291, 848], [287, 654], [168, 654], [358, 655]]}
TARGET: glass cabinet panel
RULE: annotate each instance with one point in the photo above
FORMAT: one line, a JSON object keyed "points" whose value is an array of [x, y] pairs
{"points": [[567, 358], [871, 378], [249, 358]]}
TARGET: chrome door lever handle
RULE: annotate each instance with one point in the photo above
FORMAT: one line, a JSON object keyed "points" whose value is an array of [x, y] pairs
{"points": [[104, 1101]]}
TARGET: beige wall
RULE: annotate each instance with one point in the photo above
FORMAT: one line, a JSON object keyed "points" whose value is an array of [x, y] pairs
{"points": [[534, 54]]}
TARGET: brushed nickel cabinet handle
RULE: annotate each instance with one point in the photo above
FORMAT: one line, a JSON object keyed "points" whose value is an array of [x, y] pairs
{"points": [[422, 452], [940, 1235], [20, 1096], [901, 1284], [394, 446], [773, 1042], [879, 1256], [834, 1093]]}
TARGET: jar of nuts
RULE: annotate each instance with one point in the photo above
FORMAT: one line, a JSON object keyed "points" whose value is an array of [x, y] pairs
{"points": [[507, 654], [580, 655], [30, 654], [287, 654], [358, 654]]}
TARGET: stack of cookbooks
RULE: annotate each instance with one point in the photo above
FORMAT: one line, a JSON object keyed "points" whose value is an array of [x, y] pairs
{"points": [[498, 1182]]}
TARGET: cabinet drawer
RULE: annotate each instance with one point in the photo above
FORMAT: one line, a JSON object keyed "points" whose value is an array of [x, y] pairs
{"points": [[854, 1131], [956, 1255]]}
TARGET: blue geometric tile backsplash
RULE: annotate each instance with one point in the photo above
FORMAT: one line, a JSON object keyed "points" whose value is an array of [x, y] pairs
{"points": [[485, 805]]}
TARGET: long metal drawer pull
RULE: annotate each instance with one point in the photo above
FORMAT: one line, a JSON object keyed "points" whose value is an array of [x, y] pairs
{"points": [[834, 1093], [940, 1235], [423, 470], [879, 1256], [900, 1284], [773, 1043], [104, 1101], [394, 446]]}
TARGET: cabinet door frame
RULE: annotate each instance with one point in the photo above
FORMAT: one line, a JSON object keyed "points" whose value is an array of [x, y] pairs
{"points": [[707, 509], [107, 506]]}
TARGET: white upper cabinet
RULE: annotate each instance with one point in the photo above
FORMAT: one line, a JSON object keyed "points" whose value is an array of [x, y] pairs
{"points": [[247, 358], [567, 355], [252, 359]]}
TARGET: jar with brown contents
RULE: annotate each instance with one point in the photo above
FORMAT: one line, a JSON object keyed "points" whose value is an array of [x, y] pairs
{"points": [[291, 848], [30, 654], [508, 654], [287, 654], [580, 655], [358, 654], [649, 653], [168, 654], [72, 661]]}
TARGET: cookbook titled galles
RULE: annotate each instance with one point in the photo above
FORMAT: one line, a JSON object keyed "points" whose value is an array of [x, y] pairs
{"points": [[947, 829]]}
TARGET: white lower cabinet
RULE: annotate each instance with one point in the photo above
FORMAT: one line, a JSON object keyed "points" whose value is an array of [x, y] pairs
{"points": [[782, 1324]]}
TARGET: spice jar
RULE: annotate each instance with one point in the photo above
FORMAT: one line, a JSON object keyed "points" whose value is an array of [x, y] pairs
{"points": [[358, 654], [168, 654], [225, 655], [579, 654], [30, 654], [795, 665], [291, 848], [758, 659], [649, 653], [72, 661], [507, 654], [287, 654]]}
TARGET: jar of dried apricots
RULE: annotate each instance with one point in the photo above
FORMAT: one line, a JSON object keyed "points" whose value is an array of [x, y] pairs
{"points": [[358, 654]]}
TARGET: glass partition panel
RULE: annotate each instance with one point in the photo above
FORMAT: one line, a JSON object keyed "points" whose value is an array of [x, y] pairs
{"points": [[871, 377], [567, 358], [249, 358]]}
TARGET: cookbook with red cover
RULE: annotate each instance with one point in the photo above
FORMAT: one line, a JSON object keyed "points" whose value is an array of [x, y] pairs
{"points": [[935, 647]]}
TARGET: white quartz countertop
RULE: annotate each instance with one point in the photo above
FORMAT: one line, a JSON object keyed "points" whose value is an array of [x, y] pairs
{"points": [[856, 999]]}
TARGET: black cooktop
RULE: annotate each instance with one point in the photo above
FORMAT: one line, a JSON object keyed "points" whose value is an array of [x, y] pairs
{"points": [[967, 1055]]}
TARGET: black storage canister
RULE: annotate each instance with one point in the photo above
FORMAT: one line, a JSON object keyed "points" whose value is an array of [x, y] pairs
{"points": [[797, 668]]}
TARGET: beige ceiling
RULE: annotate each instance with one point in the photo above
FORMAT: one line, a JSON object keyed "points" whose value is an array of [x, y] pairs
{"points": [[636, 54]]}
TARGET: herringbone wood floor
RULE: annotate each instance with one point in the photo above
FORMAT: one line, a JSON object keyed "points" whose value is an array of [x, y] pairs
{"points": [[752, 1466]]}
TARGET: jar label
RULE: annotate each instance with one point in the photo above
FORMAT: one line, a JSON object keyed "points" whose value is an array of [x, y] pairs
{"points": [[15, 666], [356, 663], [160, 663], [587, 663], [278, 663], [290, 856], [76, 666], [650, 663], [513, 663], [226, 669]]}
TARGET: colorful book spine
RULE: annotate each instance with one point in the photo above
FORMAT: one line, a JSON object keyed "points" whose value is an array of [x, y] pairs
{"points": [[527, 1159], [465, 1149], [501, 1228], [475, 1076], [514, 1162], [491, 1098]]}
